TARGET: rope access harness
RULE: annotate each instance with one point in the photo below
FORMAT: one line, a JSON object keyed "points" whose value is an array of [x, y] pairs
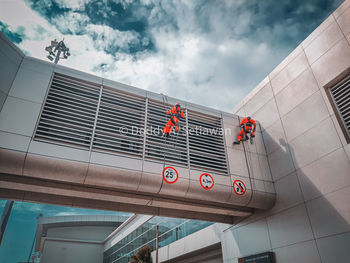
{"points": [[166, 148]]}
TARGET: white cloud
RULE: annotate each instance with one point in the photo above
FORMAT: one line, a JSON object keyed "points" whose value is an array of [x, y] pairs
{"points": [[203, 53]]}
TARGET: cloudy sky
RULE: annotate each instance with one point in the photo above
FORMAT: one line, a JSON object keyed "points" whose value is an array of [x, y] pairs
{"points": [[207, 52]]}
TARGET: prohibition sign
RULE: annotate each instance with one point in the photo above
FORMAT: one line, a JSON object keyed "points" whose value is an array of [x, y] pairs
{"points": [[206, 181], [239, 187], [170, 175]]}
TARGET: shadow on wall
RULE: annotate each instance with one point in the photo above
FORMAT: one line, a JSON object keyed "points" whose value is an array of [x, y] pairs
{"points": [[289, 222]]}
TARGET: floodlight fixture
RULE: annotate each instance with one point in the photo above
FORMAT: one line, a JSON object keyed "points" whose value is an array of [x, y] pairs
{"points": [[57, 50]]}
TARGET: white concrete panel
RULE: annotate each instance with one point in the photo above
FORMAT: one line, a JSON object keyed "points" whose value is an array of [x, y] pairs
{"points": [[176, 249], [229, 244], [267, 114], [290, 72], [325, 175], [14, 141], [53, 150], [281, 163], [344, 21], [3, 97], [288, 193], [259, 143], [257, 147], [339, 130], [257, 171], [259, 99], [38, 65], [258, 185], [269, 187], [347, 150], [329, 20], [315, 143], [330, 214], [30, 85], [289, 227], [237, 162], [10, 49], [332, 63], [116, 161], [305, 116], [274, 137], [19, 116], [7, 76], [296, 92], [305, 252], [331, 35], [231, 132], [334, 248], [253, 238], [264, 168], [292, 56], [257, 89], [201, 239], [71, 252]]}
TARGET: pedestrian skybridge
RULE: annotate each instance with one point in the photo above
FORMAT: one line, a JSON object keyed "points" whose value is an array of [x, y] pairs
{"points": [[70, 138]]}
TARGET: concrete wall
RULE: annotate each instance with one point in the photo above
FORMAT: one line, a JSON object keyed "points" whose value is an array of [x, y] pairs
{"points": [[10, 58], [70, 244], [66, 252], [307, 153], [189, 245], [94, 233]]}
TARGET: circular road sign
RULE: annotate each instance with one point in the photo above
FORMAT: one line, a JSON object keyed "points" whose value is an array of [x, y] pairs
{"points": [[207, 181], [170, 175], [239, 187]]}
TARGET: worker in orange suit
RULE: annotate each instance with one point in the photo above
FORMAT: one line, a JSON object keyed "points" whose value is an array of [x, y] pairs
{"points": [[246, 127], [175, 114]]}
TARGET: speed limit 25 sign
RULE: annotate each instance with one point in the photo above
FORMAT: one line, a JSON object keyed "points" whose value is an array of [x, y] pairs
{"points": [[170, 175]]}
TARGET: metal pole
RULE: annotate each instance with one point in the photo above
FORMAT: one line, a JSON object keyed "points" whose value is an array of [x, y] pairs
{"points": [[157, 242], [31, 250], [58, 55], [5, 217]]}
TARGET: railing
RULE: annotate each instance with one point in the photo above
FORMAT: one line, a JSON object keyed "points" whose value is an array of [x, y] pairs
{"points": [[123, 250]]}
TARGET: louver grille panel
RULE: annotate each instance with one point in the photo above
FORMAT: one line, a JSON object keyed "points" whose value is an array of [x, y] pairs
{"points": [[207, 148], [69, 112], [120, 118], [80, 114], [172, 149], [341, 97]]}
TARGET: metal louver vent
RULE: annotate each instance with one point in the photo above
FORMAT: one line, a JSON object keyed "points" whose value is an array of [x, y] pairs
{"points": [[341, 97], [69, 112], [174, 148], [206, 141], [81, 114], [120, 118]]}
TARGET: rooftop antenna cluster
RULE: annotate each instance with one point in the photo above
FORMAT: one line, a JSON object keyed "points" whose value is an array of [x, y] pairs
{"points": [[56, 49]]}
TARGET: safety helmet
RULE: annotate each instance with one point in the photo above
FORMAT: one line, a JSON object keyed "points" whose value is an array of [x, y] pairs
{"points": [[177, 105], [248, 118]]}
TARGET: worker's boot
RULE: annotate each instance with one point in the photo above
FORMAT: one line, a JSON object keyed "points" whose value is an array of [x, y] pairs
{"points": [[237, 142]]}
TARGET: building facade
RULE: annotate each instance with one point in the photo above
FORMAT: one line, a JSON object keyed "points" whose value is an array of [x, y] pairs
{"points": [[303, 144], [74, 238]]}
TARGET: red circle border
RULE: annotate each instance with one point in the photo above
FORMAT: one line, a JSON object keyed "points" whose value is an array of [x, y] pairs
{"points": [[200, 181], [234, 189], [177, 175]]}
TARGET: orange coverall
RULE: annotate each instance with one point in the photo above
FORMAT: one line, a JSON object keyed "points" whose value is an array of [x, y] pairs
{"points": [[248, 127], [175, 113]]}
